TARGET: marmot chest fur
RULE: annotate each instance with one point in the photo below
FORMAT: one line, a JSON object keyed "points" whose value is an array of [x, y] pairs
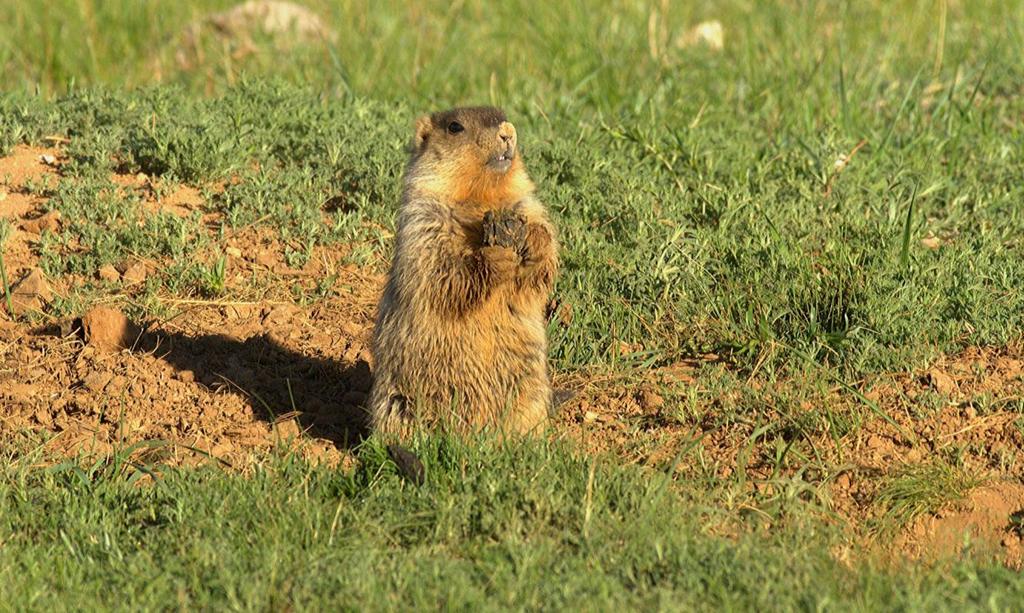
{"points": [[460, 336]]}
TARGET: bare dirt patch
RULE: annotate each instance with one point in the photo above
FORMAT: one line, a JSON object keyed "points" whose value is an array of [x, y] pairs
{"points": [[987, 524], [21, 173], [223, 381]]}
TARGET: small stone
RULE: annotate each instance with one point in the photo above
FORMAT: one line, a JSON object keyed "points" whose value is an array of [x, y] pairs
{"points": [[287, 429], [931, 242], [96, 381], [44, 418], [843, 481], [186, 376], [240, 311], [48, 222], [590, 417], [134, 274], [222, 449], [108, 273], [651, 400], [233, 252], [32, 293], [266, 259], [48, 159], [941, 382]]}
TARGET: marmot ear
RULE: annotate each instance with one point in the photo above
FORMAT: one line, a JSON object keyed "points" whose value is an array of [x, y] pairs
{"points": [[423, 128]]}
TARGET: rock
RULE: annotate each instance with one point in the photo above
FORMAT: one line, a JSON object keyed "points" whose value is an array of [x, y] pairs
{"points": [[240, 311], [651, 400], [134, 274], [266, 259], [108, 329], [186, 376], [281, 315], [44, 418], [96, 380], [32, 293], [48, 222], [287, 429], [931, 242], [233, 252], [941, 382], [222, 449], [108, 273]]}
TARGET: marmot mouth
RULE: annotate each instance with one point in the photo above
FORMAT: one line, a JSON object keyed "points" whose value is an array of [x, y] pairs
{"points": [[502, 161]]}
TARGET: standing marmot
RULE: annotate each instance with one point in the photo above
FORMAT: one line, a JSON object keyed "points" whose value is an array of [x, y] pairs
{"points": [[460, 337]]}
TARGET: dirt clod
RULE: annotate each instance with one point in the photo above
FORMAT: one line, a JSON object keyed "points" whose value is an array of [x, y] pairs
{"points": [[185, 376], [32, 293], [108, 273], [47, 222], [287, 429], [96, 380], [108, 329], [134, 274], [942, 382], [651, 400]]}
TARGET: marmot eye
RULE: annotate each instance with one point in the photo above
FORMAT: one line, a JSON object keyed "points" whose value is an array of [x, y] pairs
{"points": [[455, 127]]}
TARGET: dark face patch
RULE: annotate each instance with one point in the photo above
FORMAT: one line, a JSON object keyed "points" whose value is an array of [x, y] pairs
{"points": [[469, 116]]}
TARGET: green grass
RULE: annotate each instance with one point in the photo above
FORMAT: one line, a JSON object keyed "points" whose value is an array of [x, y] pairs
{"points": [[494, 527], [700, 210], [918, 489]]}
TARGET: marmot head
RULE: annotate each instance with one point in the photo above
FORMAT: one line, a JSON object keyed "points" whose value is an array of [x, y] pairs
{"points": [[468, 155]]}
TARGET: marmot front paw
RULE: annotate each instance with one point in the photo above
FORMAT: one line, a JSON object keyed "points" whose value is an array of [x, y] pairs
{"points": [[504, 228]]}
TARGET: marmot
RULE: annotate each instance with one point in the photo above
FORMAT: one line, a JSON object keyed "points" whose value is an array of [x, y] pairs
{"points": [[460, 339]]}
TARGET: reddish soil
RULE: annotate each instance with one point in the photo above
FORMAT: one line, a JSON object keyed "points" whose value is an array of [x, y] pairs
{"points": [[987, 524], [232, 379]]}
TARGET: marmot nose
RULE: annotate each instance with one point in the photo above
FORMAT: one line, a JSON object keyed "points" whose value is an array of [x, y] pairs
{"points": [[507, 132]]}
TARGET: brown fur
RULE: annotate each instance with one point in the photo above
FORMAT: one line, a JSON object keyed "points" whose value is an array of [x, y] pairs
{"points": [[460, 337]]}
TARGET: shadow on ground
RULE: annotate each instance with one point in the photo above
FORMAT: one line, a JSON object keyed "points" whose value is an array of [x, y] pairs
{"points": [[325, 397]]}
